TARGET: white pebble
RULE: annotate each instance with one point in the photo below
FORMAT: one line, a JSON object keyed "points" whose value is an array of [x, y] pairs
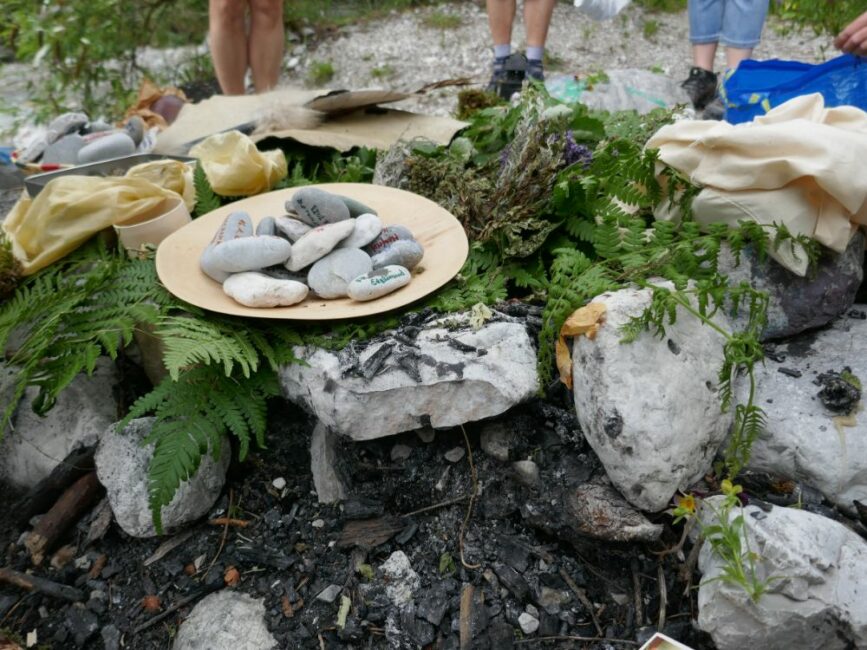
{"points": [[367, 228], [318, 243], [258, 290], [279, 483]]}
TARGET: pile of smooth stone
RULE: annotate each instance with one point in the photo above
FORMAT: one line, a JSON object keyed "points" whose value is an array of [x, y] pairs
{"points": [[329, 245]]}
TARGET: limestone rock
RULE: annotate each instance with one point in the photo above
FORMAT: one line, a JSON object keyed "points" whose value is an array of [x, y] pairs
{"points": [[329, 488], [816, 599], [37, 444], [401, 579], [122, 467], [798, 304], [803, 439], [226, 620], [452, 375], [650, 409]]}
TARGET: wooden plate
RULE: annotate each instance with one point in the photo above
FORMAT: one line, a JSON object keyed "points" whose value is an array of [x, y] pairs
{"points": [[444, 240]]}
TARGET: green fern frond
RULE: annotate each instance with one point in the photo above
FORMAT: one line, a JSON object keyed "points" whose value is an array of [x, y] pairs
{"points": [[206, 199]]}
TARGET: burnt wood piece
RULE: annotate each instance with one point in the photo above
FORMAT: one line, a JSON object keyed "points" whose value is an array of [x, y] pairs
{"points": [[43, 495]]}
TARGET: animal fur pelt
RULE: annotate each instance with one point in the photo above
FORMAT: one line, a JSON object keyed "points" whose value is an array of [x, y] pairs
{"points": [[280, 115]]}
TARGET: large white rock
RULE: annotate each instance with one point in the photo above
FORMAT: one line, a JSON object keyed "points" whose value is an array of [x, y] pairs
{"points": [[35, 445], [816, 598], [650, 409], [803, 440], [226, 620], [122, 467], [323, 456], [454, 375]]}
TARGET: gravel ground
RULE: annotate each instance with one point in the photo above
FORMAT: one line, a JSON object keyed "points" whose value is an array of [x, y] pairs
{"points": [[405, 52]]}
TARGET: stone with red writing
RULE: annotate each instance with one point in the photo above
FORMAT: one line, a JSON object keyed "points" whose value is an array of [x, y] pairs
{"points": [[403, 253], [367, 228], [316, 207], [235, 226], [318, 243], [378, 283], [388, 237]]}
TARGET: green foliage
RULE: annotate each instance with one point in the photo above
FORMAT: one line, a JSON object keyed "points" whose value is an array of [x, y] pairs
{"points": [[320, 72], [723, 528], [664, 6], [206, 199], [442, 20], [821, 16], [10, 268], [447, 564]]}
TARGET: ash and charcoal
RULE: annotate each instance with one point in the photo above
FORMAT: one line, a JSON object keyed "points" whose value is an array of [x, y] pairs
{"points": [[397, 349]]}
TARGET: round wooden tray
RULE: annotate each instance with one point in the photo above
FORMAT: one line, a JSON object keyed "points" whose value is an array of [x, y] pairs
{"points": [[444, 240]]}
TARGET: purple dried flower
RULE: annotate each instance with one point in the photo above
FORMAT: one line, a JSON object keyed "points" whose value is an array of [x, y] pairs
{"points": [[576, 153]]}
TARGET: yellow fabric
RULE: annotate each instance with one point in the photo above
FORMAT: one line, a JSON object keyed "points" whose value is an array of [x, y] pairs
{"points": [[801, 165], [169, 174], [71, 209], [235, 167]]}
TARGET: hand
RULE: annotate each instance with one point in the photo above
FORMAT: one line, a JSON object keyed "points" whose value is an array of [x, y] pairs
{"points": [[853, 39]]}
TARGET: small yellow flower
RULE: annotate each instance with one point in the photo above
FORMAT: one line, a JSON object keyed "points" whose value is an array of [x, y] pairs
{"points": [[686, 503], [730, 489]]}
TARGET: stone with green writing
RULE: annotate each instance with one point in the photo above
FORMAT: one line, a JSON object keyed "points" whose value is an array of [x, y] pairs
{"points": [[378, 283]]}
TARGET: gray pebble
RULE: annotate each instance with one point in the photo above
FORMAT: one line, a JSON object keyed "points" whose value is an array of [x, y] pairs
{"points": [[367, 228], [401, 253], [280, 272], [113, 145], [356, 208], [378, 283], [316, 207], [249, 253], [331, 275], [65, 124], [235, 226], [65, 150], [291, 228], [135, 129], [318, 243], [387, 237], [267, 226]]}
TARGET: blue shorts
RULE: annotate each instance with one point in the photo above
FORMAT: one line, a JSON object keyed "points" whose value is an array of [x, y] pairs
{"points": [[736, 23]]}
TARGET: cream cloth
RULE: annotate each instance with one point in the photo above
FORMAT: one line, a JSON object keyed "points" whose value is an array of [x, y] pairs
{"points": [[801, 165]]}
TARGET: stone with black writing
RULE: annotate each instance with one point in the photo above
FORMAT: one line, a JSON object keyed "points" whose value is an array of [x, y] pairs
{"points": [[367, 228], [113, 145], [356, 208], [318, 243], [388, 237], [253, 289], [378, 283], [401, 253], [235, 226], [330, 276], [291, 228], [316, 207], [267, 227]]}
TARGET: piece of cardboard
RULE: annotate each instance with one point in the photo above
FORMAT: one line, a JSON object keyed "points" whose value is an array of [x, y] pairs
{"points": [[351, 119], [444, 241]]}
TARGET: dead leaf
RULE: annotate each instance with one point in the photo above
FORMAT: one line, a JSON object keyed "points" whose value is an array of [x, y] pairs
{"points": [[151, 603], [584, 321], [231, 576]]}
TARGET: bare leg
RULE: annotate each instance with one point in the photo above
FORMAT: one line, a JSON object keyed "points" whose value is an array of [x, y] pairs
{"points": [[266, 42], [734, 55], [501, 17], [228, 43], [703, 55], [537, 18]]}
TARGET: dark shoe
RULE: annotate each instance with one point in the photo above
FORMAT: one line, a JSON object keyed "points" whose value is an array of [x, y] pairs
{"points": [[508, 75], [535, 70], [716, 110], [701, 87]]}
